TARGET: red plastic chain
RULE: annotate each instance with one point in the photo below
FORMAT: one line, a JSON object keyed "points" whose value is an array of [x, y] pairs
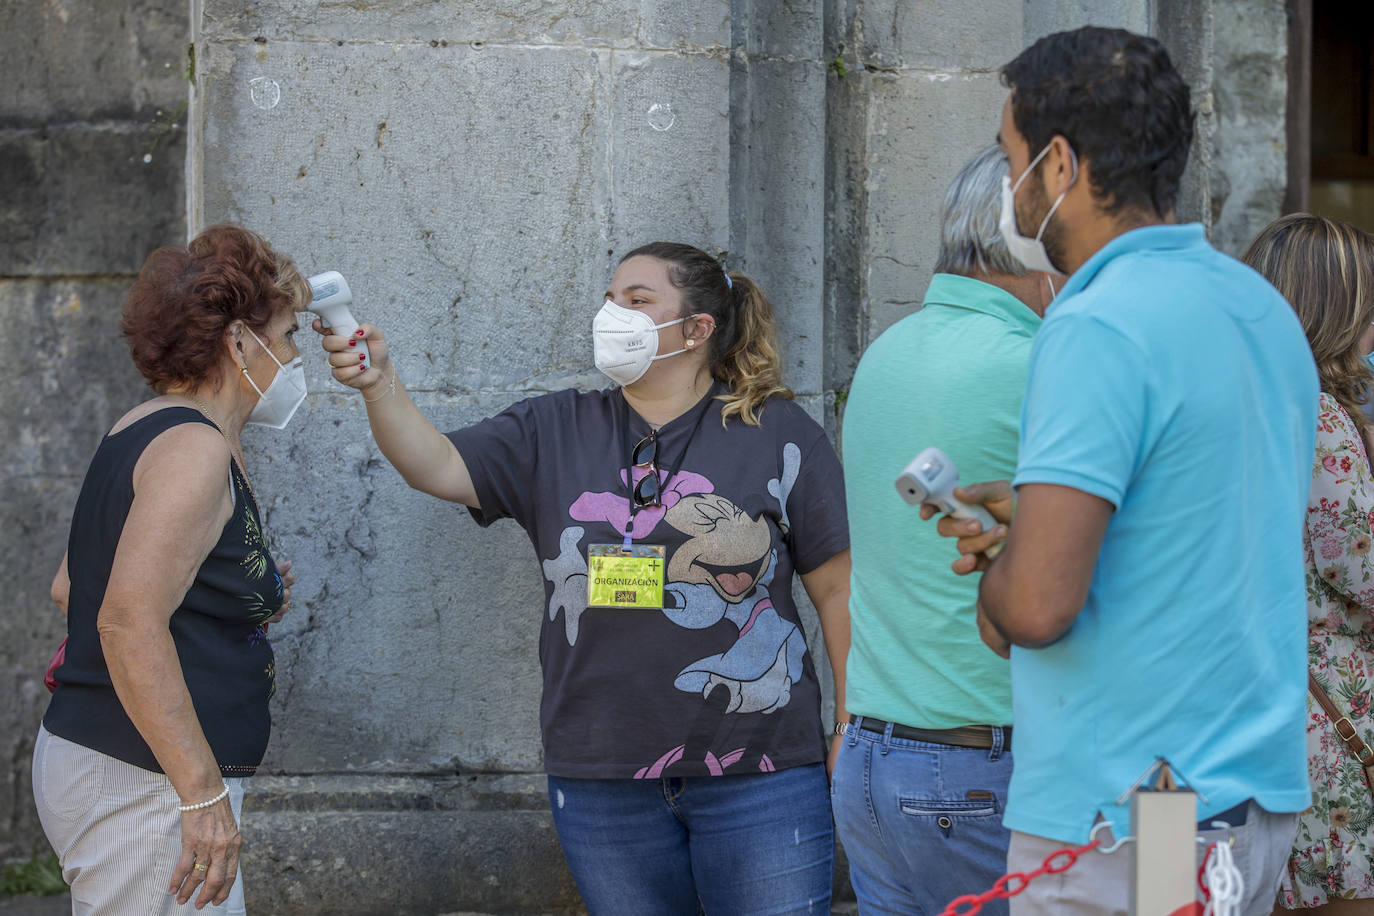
{"points": [[1050, 866]]}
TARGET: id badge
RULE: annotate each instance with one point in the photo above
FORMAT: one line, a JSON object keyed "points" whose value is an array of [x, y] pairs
{"points": [[625, 577]]}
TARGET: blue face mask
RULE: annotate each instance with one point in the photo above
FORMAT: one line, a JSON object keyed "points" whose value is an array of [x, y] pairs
{"points": [[1369, 404]]}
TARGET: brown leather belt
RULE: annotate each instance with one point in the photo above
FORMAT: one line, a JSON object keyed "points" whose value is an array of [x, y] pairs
{"points": [[979, 736]]}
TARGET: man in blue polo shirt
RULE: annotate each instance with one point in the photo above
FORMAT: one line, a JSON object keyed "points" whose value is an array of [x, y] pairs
{"points": [[920, 781], [1152, 581]]}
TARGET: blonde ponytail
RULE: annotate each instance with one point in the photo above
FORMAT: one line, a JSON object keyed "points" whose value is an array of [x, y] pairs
{"points": [[751, 365], [744, 351]]}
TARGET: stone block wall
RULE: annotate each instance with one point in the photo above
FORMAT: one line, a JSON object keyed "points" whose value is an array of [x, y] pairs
{"points": [[923, 93], [476, 170], [476, 179], [92, 150]]}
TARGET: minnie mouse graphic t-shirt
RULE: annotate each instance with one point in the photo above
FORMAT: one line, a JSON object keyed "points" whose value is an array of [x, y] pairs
{"points": [[718, 681]]}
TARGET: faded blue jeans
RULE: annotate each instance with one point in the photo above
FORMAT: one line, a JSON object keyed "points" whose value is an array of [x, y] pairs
{"points": [[921, 823], [745, 845]]}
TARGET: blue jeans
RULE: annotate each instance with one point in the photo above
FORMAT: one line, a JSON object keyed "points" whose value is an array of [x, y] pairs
{"points": [[744, 845], [921, 823]]}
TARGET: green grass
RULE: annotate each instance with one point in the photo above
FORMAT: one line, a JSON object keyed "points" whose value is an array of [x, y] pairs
{"points": [[40, 875]]}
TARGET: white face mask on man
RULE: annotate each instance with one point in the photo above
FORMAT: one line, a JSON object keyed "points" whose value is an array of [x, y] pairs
{"points": [[278, 403], [625, 342], [1030, 252]]}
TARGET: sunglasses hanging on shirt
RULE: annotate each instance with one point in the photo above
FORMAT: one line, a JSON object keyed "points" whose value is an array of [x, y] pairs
{"points": [[648, 492]]}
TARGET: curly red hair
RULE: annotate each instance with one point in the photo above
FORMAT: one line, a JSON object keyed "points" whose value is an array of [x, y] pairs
{"points": [[185, 298]]}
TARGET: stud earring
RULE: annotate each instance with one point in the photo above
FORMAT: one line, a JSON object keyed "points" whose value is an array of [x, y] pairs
{"points": [[691, 343]]}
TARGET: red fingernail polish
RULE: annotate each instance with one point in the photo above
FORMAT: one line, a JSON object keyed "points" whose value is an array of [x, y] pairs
{"points": [[361, 357], [352, 342], [359, 332]]}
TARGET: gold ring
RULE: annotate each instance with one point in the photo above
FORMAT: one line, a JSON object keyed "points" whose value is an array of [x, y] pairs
{"points": [[199, 867]]}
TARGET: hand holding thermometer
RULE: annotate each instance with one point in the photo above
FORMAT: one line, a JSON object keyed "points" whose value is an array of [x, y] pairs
{"points": [[331, 298], [931, 478]]}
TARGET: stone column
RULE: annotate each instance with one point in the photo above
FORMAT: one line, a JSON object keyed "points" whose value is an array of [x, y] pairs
{"points": [[476, 175], [91, 150]]}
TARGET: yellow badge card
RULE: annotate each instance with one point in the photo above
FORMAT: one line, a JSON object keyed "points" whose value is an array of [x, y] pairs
{"points": [[625, 577]]}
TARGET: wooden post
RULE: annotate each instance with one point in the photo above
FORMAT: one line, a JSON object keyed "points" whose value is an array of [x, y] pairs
{"points": [[1299, 127]]}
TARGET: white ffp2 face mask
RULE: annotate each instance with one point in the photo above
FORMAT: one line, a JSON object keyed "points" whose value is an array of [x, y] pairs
{"points": [[1030, 252], [278, 403], [625, 342]]}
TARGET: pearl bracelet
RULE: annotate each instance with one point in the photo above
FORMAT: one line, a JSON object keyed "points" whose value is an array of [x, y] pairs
{"points": [[214, 801]]}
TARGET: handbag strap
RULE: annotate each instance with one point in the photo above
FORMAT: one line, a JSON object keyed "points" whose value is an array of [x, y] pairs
{"points": [[1348, 735]]}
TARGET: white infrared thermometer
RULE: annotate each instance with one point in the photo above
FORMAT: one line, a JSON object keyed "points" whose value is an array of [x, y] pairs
{"points": [[331, 298], [931, 478]]}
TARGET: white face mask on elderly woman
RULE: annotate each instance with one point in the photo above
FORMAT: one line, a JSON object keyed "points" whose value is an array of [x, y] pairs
{"points": [[278, 403], [625, 342]]}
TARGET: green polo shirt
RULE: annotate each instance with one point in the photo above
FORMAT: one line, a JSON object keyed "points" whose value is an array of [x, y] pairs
{"points": [[951, 375]]}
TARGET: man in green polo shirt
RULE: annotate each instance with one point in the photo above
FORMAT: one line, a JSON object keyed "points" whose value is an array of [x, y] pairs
{"points": [[921, 778]]}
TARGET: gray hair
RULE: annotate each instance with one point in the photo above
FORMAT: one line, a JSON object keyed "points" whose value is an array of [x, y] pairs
{"points": [[970, 242]]}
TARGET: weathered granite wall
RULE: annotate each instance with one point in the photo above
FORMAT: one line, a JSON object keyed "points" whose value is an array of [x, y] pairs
{"points": [[476, 170], [476, 178], [92, 151], [1250, 89], [923, 92]]}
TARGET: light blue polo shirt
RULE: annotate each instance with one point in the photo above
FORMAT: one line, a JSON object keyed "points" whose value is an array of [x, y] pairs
{"points": [[951, 376], [1175, 383]]}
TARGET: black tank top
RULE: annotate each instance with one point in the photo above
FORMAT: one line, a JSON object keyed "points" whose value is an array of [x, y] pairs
{"points": [[218, 629]]}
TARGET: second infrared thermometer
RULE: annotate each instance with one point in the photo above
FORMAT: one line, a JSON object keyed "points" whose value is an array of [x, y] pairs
{"points": [[331, 298], [931, 478]]}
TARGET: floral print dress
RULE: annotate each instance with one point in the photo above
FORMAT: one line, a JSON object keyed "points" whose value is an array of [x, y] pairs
{"points": [[1333, 848]]}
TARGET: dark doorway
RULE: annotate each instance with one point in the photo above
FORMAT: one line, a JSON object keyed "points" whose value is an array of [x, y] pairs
{"points": [[1341, 99]]}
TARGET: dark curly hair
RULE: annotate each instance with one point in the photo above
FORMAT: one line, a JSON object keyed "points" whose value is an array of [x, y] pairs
{"points": [[185, 298], [1116, 97]]}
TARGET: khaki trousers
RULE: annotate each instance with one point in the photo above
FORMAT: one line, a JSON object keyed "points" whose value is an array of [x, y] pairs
{"points": [[1098, 885], [116, 830]]}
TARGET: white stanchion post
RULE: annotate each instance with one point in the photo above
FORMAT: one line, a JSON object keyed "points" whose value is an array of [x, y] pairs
{"points": [[1164, 824]]}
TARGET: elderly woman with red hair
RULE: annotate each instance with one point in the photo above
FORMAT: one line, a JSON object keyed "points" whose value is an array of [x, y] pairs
{"points": [[161, 704]]}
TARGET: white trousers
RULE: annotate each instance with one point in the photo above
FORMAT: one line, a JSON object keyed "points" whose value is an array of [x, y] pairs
{"points": [[116, 830]]}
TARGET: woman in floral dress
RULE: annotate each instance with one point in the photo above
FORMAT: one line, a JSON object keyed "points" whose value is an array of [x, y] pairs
{"points": [[1326, 270]]}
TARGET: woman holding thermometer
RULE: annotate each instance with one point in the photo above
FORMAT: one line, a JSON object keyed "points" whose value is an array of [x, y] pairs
{"points": [[681, 711]]}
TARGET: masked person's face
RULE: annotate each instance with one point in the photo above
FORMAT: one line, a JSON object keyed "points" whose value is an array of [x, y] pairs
{"points": [[1031, 205], [1031, 234], [640, 322]]}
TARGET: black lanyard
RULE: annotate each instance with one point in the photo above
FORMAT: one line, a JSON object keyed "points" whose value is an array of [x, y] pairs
{"points": [[629, 458]]}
